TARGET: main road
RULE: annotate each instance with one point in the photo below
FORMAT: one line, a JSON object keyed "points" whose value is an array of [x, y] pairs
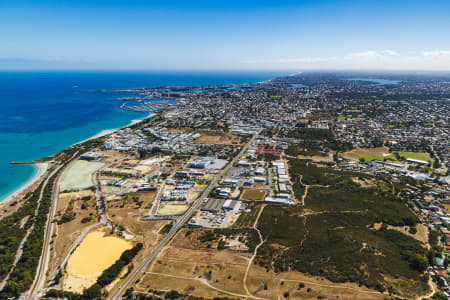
{"points": [[180, 223], [40, 276]]}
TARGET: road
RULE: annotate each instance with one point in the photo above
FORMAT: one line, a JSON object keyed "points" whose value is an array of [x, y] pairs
{"points": [[157, 199], [180, 223], [100, 204], [39, 279], [101, 220]]}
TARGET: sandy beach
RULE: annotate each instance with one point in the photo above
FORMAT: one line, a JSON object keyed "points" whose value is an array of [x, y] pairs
{"points": [[41, 168]]}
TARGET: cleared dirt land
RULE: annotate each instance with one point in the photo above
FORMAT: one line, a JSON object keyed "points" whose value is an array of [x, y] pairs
{"points": [[214, 137], [254, 194], [66, 233], [172, 209], [317, 158], [222, 269], [146, 232], [79, 175], [301, 286], [96, 252], [217, 138], [369, 154], [189, 267]]}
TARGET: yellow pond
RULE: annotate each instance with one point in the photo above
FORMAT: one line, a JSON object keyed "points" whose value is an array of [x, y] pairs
{"points": [[96, 253]]}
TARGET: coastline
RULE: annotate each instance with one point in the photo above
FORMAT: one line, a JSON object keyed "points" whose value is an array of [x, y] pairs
{"points": [[41, 168], [105, 132]]}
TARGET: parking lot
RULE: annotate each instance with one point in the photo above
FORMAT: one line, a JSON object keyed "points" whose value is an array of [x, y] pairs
{"points": [[218, 218]]}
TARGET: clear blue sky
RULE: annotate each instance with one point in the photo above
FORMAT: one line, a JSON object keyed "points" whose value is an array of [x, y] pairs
{"points": [[210, 34]]}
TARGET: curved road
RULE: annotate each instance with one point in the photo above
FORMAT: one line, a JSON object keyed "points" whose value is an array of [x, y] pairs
{"points": [[39, 278]]}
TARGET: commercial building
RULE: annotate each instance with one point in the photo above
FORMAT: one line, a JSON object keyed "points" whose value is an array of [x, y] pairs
{"points": [[91, 156]]}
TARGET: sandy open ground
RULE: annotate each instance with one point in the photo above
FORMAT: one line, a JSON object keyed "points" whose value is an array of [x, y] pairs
{"points": [[96, 252], [79, 175], [214, 137], [190, 267], [172, 209], [254, 194], [217, 138], [369, 154]]}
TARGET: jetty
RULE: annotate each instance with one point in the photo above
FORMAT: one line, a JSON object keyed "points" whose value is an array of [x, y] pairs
{"points": [[23, 162]]}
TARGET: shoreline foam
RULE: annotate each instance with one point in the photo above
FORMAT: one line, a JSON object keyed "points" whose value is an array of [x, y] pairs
{"points": [[42, 167], [40, 170]]}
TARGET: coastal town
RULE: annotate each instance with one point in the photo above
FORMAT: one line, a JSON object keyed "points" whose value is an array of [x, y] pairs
{"points": [[312, 186]]}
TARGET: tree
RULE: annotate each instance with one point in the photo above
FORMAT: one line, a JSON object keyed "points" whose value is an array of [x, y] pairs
{"points": [[436, 164], [173, 294], [94, 292], [128, 294], [419, 263]]}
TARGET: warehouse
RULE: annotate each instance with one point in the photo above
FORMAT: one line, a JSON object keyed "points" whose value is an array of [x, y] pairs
{"points": [[91, 156], [418, 161], [230, 204], [213, 205]]}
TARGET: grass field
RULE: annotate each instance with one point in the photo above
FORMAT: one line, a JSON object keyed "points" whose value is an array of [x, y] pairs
{"points": [[369, 154], [172, 209], [254, 194], [416, 155], [381, 153]]}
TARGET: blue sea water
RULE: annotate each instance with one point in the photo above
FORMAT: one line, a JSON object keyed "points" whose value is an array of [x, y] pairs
{"points": [[376, 81], [297, 85], [44, 112]]}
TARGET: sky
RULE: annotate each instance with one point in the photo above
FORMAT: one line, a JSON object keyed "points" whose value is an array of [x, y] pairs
{"points": [[225, 34]]}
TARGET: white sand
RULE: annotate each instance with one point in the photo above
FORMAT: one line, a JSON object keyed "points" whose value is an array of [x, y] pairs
{"points": [[41, 168]]}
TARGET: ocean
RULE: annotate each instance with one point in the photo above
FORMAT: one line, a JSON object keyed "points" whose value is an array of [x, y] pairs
{"points": [[44, 112]]}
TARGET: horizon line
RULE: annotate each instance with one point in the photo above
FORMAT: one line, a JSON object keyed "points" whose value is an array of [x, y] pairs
{"points": [[221, 70]]}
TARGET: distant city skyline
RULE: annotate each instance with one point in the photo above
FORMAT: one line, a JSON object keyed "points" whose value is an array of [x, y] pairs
{"points": [[248, 35]]}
